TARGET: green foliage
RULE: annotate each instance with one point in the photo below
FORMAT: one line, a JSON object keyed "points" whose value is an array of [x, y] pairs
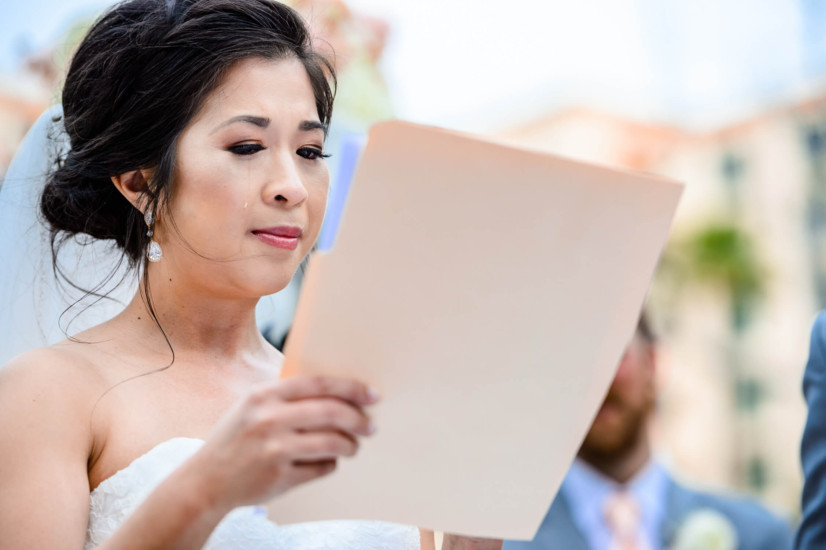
{"points": [[724, 257]]}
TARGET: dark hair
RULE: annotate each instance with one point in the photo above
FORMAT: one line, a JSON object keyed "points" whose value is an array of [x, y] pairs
{"points": [[138, 78]]}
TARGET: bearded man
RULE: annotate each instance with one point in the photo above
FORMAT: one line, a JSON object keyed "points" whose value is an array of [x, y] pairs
{"points": [[616, 496]]}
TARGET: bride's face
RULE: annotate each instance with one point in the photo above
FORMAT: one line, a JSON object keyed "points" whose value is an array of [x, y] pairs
{"points": [[251, 185]]}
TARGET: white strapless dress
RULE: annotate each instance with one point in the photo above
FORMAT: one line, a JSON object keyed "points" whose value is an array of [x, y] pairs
{"points": [[246, 528]]}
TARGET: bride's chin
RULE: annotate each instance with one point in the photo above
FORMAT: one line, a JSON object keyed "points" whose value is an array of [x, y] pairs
{"points": [[273, 285], [253, 280]]}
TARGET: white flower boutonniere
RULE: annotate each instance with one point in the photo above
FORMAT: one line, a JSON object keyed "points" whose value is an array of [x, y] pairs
{"points": [[705, 529]]}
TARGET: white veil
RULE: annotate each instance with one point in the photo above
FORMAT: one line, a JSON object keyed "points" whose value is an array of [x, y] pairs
{"points": [[36, 309]]}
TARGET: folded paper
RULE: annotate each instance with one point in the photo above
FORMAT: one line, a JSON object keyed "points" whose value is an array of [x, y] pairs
{"points": [[488, 293]]}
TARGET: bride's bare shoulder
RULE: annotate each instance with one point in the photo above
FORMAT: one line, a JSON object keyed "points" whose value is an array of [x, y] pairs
{"points": [[56, 378], [46, 440]]}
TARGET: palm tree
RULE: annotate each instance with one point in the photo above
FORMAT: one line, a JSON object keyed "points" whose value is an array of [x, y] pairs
{"points": [[721, 256]]}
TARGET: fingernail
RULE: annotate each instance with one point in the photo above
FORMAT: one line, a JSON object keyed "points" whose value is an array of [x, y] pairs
{"points": [[371, 428], [372, 396]]}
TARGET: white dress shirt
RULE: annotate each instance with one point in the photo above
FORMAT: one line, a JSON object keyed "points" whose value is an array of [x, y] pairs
{"points": [[586, 491]]}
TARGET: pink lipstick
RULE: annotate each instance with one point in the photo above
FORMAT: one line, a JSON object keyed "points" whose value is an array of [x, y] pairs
{"points": [[283, 236]]}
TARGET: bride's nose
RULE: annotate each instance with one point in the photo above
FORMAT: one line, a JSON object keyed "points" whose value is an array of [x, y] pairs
{"points": [[285, 186]]}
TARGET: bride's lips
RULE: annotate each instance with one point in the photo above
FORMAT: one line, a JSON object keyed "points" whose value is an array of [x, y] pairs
{"points": [[283, 236]]}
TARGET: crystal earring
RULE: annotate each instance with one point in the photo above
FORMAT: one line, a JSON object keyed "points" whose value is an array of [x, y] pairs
{"points": [[154, 252]]}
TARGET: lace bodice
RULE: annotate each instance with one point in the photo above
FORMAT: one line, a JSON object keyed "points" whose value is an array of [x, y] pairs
{"points": [[245, 528]]}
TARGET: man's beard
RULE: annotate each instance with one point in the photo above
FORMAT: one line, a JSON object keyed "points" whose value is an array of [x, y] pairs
{"points": [[608, 441]]}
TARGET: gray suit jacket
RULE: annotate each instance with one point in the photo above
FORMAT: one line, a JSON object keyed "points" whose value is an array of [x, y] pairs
{"points": [[757, 529]]}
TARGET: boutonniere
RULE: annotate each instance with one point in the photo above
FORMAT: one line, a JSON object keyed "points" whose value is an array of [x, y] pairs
{"points": [[705, 529]]}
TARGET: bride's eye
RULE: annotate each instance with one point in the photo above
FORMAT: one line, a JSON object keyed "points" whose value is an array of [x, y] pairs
{"points": [[246, 148], [311, 153]]}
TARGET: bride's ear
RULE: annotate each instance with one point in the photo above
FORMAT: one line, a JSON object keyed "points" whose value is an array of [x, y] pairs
{"points": [[133, 186]]}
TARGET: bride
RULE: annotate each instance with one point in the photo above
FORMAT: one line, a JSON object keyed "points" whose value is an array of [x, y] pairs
{"points": [[196, 143]]}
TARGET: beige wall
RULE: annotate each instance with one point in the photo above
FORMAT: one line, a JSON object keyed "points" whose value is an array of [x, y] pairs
{"points": [[700, 430], [22, 100]]}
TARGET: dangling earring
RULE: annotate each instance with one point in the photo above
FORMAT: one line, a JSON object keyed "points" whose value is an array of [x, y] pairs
{"points": [[154, 252]]}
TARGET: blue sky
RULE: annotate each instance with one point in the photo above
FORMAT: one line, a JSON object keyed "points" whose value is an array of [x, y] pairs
{"points": [[477, 65]]}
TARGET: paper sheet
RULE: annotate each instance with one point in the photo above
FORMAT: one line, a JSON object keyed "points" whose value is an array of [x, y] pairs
{"points": [[488, 293]]}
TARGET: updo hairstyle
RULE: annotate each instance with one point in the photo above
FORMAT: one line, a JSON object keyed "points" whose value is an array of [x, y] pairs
{"points": [[138, 78]]}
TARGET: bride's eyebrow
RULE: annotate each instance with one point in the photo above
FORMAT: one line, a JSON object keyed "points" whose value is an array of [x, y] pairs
{"points": [[310, 125], [261, 122]]}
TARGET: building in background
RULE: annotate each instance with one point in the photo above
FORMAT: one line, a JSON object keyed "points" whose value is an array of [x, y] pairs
{"points": [[32, 88], [741, 280], [22, 99]]}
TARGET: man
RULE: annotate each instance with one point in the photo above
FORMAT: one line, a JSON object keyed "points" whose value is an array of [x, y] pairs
{"points": [[617, 497]]}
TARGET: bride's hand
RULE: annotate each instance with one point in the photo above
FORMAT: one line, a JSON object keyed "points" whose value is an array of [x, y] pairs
{"points": [[282, 434], [456, 542]]}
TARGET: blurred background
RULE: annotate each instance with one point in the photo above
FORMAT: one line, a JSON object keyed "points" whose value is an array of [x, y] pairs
{"points": [[727, 96]]}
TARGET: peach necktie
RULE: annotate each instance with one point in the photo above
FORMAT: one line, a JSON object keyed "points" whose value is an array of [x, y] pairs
{"points": [[622, 516]]}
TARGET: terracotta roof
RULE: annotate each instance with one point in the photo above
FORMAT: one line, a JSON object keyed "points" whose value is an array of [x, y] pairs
{"points": [[30, 110]]}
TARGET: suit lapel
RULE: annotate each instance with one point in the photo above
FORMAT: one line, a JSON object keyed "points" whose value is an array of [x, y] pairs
{"points": [[557, 531], [560, 523], [679, 504]]}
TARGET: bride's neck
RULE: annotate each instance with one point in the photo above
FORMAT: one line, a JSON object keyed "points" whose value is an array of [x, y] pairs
{"points": [[194, 322]]}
